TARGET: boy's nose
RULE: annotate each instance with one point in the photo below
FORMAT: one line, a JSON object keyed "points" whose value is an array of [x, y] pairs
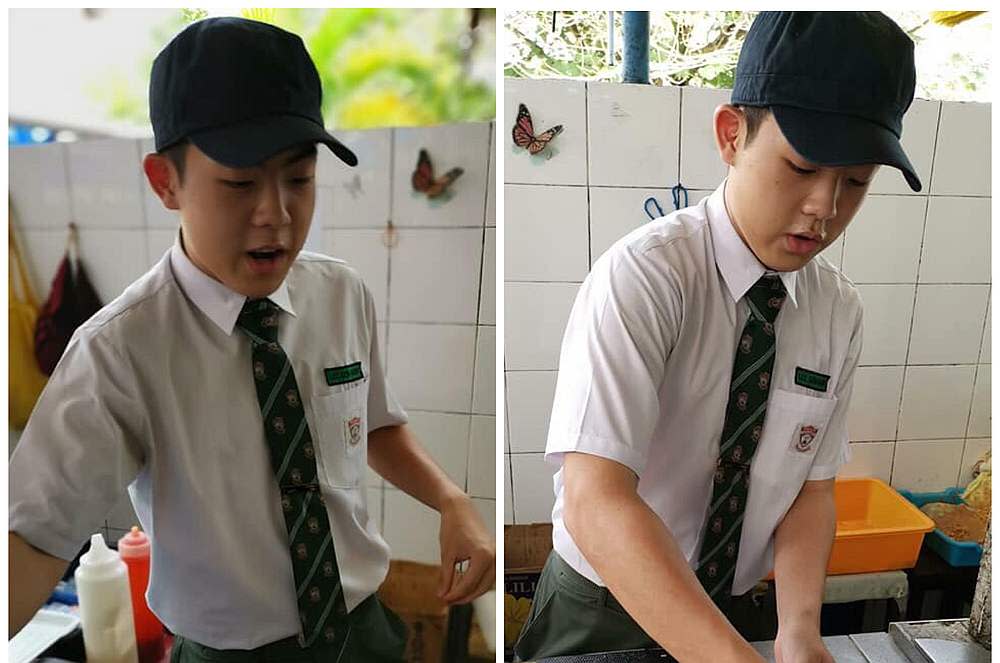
{"points": [[822, 201], [272, 209]]}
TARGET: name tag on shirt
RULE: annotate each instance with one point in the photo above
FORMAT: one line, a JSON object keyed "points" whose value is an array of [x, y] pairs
{"points": [[343, 374], [811, 379]]}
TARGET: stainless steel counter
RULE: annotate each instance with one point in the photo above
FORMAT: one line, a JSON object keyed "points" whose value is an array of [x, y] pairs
{"points": [[861, 648]]}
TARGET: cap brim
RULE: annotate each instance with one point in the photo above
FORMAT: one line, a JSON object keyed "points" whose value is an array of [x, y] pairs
{"points": [[834, 139], [249, 143]]}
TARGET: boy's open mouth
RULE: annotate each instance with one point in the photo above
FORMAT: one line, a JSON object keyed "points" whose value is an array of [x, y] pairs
{"points": [[802, 244], [265, 255], [265, 259]]}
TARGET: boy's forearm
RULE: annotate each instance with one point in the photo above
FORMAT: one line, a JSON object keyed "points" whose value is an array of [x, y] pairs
{"points": [[32, 574], [802, 546], [396, 455], [637, 557]]}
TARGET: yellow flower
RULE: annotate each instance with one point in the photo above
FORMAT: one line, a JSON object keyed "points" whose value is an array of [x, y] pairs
{"points": [[515, 613]]}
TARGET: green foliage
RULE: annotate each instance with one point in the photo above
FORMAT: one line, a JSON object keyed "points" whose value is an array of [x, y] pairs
{"points": [[378, 67], [701, 48], [685, 47]]}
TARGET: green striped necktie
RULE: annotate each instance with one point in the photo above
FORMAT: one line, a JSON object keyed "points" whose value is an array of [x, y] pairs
{"points": [[322, 611], [748, 391]]}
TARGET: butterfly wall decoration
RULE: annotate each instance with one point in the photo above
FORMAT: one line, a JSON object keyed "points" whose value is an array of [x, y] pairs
{"points": [[524, 135], [423, 179]]}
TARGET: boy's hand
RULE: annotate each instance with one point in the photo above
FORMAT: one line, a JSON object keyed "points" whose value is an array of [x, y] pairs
{"points": [[800, 646], [463, 537]]}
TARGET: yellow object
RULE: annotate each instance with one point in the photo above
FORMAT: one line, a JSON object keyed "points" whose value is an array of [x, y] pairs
{"points": [[977, 493], [515, 613], [951, 19], [25, 379], [259, 14], [877, 529]]}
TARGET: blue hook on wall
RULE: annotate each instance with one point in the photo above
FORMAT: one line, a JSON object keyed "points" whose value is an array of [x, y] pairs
{"points": [[677, 191], [656, 204]]}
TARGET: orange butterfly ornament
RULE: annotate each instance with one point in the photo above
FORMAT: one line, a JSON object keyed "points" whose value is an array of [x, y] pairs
{"points": [[523, 132], [424, 181]]}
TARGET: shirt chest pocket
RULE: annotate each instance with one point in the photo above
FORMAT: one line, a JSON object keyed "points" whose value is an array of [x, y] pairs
{"points": [[342, 427], [793, 431]]}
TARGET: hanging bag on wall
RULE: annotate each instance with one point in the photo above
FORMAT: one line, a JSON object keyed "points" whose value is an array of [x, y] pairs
{"points": [[71, 302], [25, 380]]}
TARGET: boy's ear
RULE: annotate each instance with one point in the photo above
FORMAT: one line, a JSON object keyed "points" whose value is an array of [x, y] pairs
{"points": [[162, 178], [730, 129]]}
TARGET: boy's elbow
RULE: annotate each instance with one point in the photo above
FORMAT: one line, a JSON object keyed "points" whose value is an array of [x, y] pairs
{"points": [[591, 485]]}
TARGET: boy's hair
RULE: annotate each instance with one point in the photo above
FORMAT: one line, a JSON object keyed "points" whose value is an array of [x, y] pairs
{"points": [[755, 116], [177, 153]]}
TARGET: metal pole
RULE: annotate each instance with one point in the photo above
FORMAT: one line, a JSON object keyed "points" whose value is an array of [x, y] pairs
{"points": [[636, 68], [611, 39]]}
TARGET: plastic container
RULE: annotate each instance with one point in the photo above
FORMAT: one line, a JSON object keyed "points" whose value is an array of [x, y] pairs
{"points": [[956, 553], [134, 549], [105, 605], [877, 529]]}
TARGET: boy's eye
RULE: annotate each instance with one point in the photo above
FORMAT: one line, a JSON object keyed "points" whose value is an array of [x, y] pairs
{"points": [[854, 182], [301, 181], [238, 184], [800, 171]]}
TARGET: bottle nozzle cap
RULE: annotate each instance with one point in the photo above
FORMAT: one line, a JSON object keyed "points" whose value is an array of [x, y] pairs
{"points": [[99, 554], [134, 544]]}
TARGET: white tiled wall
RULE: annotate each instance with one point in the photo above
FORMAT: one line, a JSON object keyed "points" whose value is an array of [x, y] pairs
{"points": [[920, 415], [434, 289]]}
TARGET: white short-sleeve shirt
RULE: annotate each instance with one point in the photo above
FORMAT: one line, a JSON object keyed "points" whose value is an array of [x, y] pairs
{"points": [[155, 392], [645, 369]]}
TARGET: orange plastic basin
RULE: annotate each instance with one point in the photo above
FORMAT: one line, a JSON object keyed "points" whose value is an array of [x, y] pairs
{"points": [[877, 528]]}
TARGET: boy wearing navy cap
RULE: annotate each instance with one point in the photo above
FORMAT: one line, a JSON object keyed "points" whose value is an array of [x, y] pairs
{"points": [[687, 475], [237, 389]]}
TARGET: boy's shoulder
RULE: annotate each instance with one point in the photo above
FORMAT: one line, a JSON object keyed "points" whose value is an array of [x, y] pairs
{"points": [[666, 244], [138, 297], [313, 268], [676, 230], [822, 276]]}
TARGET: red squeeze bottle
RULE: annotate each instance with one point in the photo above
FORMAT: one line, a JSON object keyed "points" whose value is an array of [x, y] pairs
{"points": [[134, 550]]}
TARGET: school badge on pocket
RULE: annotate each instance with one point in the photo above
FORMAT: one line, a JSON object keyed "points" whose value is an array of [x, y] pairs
{"points": [[806, 436], [352, 430]]}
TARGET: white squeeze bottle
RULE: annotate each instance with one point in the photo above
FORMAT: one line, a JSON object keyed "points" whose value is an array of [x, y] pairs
{"points": [[105, 605]]}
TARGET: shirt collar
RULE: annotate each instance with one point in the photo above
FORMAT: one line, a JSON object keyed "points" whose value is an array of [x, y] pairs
{"points": [[736, 262], [221, 304]]}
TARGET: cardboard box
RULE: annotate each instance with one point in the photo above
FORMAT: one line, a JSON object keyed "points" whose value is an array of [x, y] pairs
{"points": [[526, 547], [410, 590]]}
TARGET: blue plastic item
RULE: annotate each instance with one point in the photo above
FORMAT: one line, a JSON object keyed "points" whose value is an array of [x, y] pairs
{"points": [[65, 593], [956, 553]]}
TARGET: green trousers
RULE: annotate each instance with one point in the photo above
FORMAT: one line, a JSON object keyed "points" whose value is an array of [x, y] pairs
{"points": [[377, 635], [571, 615]]}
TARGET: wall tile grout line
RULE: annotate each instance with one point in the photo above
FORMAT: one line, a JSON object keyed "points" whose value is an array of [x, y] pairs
{"points": [[71, 204], [142, 205], [388, 290], [479, 297], [704, 190], [404, 227], [913, 310], [975, 375], [680, 131], [586, 129]]}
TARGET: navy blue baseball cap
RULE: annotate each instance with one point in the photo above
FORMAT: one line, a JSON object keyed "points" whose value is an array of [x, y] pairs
{"points": [[838, 84], [240, 90]]}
